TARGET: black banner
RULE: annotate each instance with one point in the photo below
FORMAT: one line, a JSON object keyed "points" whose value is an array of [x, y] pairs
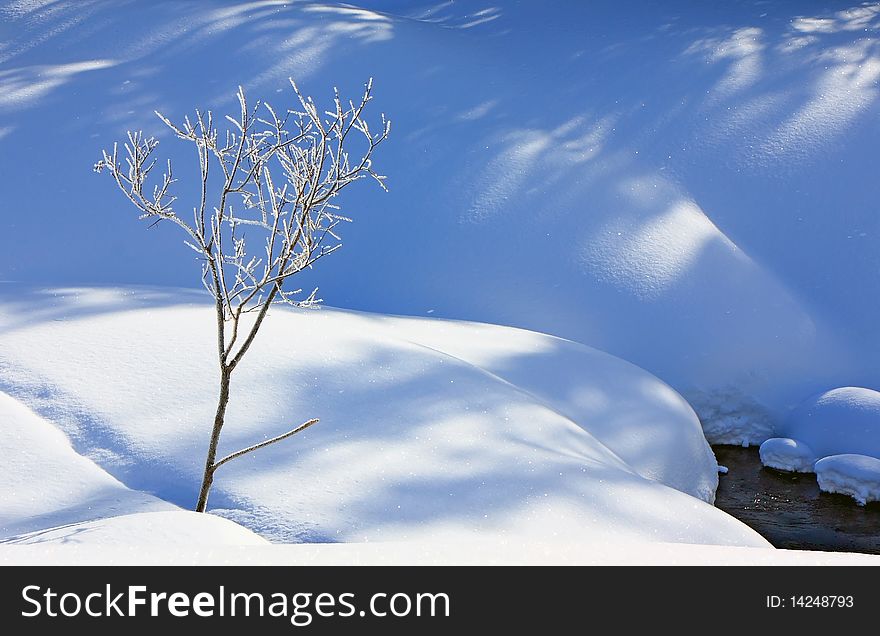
{"points": [[402, 600]]}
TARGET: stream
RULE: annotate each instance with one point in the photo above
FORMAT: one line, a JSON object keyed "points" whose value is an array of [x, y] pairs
{"points": [[789, 510]]}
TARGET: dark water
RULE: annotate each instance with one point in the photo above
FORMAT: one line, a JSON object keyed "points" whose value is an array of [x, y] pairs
{"points": [[789, 510]]}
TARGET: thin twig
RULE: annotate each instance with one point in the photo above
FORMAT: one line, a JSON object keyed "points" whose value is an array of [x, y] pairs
{"points": [[298, 429]]}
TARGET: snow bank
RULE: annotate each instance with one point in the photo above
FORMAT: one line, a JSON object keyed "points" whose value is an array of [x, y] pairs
{"points": [[840, 421], [415, 442], [782, 453], [855, 475], [730, 417]]}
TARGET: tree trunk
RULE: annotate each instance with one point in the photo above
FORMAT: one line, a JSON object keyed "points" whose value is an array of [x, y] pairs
{"points": [[208, 478]]}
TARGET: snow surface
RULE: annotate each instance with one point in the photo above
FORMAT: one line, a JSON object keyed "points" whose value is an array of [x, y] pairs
{"points": [[416, 442], [783, 453], [477, 552], [840, 421], [45, 483], [156, 529], [51, 494], [855, 475], [689, 186], [645, 424]]}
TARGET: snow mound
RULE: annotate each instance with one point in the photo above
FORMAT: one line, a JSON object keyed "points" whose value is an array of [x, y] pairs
{"points": [[157, 529], [45, 483], [840, 421], [421, 436], [855, 475], [783, 453], [644, 425]]}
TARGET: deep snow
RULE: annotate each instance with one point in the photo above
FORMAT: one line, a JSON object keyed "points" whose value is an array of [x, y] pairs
{"points": [[430, 430], [45, 483], [52, 495], [689, 186]]}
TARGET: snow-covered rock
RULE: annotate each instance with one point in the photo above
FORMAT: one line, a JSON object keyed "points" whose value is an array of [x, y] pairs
{"points": [[464, 432], [783, 453], [855, 475], [840, 428], [840, 421]]}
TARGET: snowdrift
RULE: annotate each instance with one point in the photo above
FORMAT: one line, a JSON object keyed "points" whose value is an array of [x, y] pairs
{"points": [[429, 429], [49, 494], [691, 187]]}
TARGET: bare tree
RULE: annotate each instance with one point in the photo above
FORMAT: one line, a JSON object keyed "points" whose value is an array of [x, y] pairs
{"points": [[272, 178]]}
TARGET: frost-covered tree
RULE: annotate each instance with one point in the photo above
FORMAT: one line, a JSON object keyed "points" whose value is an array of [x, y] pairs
{"points": [[266, 209]]}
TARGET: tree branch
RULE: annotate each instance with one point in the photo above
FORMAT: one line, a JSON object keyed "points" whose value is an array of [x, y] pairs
{"points": [[298, 429]]}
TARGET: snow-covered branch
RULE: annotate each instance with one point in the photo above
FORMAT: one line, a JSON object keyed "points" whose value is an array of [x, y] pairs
{"points": [[281, 173]]}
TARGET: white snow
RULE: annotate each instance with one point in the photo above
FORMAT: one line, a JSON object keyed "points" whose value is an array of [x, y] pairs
{"points": [[840, 421], [429, 430], [855, 475], [51, 494], [45, 483], [645, 424], [728, 417], [476, 552], [839, 428], [691, 188], [783, 453], [159, 530]]}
